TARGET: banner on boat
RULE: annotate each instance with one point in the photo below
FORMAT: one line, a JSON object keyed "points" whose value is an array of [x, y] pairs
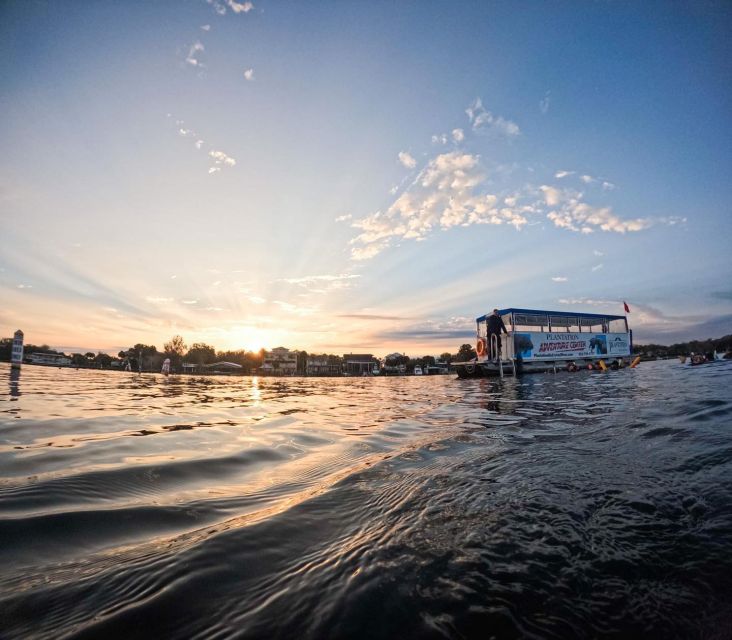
{"points": [[560, 346]]}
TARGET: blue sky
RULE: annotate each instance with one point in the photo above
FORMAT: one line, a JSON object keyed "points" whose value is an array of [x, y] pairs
{"points": [[360, 176]]}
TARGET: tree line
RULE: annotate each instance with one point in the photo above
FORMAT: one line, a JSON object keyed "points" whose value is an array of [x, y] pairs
{"points": [[147, 357]]}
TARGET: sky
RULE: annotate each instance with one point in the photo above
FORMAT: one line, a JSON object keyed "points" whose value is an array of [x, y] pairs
{"points": [[361, 177]]}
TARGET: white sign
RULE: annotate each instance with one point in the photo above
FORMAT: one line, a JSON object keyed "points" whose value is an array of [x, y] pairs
{"points": [[562, 346]]}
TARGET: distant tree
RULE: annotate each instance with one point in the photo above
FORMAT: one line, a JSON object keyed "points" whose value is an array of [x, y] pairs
{"points": [[394, 360], [89, 355], [302, 359], [446, 357], [104, 360], [6, 348], [200, 353], [176, 346], [465, 353], [79, 360], [175, 349]]}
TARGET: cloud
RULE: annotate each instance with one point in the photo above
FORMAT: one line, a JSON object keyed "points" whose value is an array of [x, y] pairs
{"points": [[455, 327], [249, 74], [458, 135], [220, 160], [439, 139], [158, 299], [344, 217], [544, 103], [559, 279], [24, 286], [591, 302], [563, 174], [219, 6], [322, 284], [206, 27], [407, 160], [608, 186], [597, 252], [587, 179], [199, 143], [189, 301], [369, 316], [597, 267], [195, 50], [240, 7], [443, 195], [484, 121], [574, 214]]}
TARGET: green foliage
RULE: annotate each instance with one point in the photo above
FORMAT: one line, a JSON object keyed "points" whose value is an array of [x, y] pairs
{"points": [[200, 353], [176, 348], [465, 353]]}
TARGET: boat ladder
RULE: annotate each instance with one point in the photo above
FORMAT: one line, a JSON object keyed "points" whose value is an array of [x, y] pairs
{"points": [[501, 361]]}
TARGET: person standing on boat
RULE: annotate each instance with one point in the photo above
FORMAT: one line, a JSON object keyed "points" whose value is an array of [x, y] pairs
{"points": [[495, 326]]}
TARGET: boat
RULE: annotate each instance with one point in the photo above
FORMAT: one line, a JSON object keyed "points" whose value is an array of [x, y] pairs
{"points": [[417, 370], [540, 340]]}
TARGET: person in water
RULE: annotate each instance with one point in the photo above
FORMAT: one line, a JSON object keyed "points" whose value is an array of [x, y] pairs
{"points": [[495, 326]]}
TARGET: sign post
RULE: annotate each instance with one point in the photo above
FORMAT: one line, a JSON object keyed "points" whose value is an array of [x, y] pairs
{"points": [[16, 358]]}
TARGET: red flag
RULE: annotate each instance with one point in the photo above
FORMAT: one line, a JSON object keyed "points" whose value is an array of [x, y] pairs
{"points": [[627, 308]]}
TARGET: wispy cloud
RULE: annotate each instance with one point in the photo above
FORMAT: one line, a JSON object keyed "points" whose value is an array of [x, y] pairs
{"points": [[560, 279], [192, 58], [439, 139], [563, 174], [597, 267], [206, 27], [458, 135], [407, 160], [344, 217], [544, 102], [320, 278], [592, 302], [597, 252], [485, 121], [369, 316], [249, 75]]}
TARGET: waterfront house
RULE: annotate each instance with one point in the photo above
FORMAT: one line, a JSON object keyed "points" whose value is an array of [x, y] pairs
{"points": [[52, 359], [356, 364], [322, 366], [279, 362]]}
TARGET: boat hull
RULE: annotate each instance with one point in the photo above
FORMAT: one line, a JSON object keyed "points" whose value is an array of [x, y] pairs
{"points": [[487, 368]]}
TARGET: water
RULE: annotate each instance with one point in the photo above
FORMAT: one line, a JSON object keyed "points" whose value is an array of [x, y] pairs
{"points": [[549, 506]]}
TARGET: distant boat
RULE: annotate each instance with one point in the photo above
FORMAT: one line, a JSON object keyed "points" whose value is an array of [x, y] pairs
{"points": [[417, 370]]}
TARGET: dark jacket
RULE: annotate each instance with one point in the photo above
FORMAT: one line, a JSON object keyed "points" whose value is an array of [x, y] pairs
{"points": [[495, 325]]}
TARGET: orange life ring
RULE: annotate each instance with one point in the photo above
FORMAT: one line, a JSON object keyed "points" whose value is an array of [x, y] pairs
{"points": [[481, 347]]}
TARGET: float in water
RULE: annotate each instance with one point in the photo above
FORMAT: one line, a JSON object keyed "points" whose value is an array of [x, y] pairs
{"points": [[538, 341]]}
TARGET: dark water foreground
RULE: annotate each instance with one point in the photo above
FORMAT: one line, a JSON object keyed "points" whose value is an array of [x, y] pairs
{"points": [[552, 506]]}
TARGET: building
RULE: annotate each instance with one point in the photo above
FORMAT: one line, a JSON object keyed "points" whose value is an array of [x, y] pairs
{"points": [[279, 362], [357, 364], [53, 359], [323, 366]]}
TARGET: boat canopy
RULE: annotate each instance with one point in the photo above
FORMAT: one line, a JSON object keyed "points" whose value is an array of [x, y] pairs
{"points": [[543, 320]]}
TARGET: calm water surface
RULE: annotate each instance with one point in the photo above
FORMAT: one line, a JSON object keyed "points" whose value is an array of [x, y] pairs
{"points": [[549, 506]]}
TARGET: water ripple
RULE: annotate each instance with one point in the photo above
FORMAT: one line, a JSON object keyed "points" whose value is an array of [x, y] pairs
{"points": [[549, 506]]}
